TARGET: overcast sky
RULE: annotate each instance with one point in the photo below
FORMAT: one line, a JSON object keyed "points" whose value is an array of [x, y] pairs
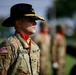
{"points": [[40, 6]]}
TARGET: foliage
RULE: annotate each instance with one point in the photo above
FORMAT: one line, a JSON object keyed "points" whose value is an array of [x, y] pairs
{"points": [[71, 37], [65, 8], [62, 8]]}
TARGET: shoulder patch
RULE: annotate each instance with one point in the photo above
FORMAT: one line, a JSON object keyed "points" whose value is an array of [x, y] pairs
{"points": [[3, 50]]}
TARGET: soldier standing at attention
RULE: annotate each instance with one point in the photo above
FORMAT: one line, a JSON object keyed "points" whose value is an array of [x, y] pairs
{"points": [[59, 51], [43, 40], [19, 55]]}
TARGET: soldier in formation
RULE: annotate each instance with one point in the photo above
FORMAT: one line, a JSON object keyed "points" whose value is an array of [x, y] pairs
{"points": [[59, 51], [43, 40], [19, 55]]}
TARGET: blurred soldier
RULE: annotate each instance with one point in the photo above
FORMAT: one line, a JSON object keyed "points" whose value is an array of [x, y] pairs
{"points": [[43, 40], [59, 51], [19, 55]]}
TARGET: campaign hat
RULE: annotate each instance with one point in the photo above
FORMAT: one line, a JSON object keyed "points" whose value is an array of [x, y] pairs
{"points": [[18, 11]]}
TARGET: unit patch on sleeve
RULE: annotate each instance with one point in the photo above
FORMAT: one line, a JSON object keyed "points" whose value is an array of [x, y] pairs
{"points": [[3, 50]]}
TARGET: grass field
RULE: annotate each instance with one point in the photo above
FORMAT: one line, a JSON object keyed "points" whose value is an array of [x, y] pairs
{"points": [[70, 62]]}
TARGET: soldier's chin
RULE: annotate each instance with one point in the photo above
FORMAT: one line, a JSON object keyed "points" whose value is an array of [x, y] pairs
{"points": [[32, 32]]}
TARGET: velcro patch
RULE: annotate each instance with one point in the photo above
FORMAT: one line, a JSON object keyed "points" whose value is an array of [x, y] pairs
{"points": [[3, 50]]}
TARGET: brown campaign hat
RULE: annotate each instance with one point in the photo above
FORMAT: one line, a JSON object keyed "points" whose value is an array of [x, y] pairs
{"points": [[21, 10]]}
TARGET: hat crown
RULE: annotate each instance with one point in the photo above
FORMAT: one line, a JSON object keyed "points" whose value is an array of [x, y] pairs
{"points": [[21, 9]]}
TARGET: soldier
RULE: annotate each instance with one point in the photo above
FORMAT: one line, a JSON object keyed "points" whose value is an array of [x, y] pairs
{"points": [[59, 51], [43, 39], [19, 55]]}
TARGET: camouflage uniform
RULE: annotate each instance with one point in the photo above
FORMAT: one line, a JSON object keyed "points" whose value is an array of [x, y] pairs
{"points": [[44, 42], [59, 52], [16, 58]]}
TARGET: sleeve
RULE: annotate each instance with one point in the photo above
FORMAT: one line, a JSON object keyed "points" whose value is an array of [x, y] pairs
{"points": [[54, 49], [6, 55]]}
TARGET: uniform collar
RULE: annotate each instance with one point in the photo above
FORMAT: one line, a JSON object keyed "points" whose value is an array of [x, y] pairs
{"points": [[25, 37], [61, 34], [23, 42], [43, 33], [34, 47]]}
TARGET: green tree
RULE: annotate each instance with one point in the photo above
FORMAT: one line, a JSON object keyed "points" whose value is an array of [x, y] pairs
{"points": [[62, 8], [65, 8]]}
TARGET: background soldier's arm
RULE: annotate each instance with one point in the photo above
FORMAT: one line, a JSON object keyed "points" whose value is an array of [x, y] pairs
{"points": [[54, 50]]}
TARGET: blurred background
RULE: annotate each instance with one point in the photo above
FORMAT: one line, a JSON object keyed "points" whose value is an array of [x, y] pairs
{"points": [[55, 12]]}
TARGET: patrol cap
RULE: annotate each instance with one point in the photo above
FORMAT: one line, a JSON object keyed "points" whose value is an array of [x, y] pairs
{"points": [[21, 10]]}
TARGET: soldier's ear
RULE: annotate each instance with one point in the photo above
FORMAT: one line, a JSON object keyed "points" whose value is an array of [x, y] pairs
{"points": [[18, 23]]}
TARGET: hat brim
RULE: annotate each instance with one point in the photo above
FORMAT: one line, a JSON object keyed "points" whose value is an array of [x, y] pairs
{"points": [[9, 22], [34, 16]]}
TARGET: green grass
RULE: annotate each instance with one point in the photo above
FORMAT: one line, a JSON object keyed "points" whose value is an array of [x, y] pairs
{"points": [[70, 62]]}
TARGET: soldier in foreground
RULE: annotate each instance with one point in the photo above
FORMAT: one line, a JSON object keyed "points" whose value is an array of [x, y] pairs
{"points": [[43, 40], [59, 51], [19, 55]]}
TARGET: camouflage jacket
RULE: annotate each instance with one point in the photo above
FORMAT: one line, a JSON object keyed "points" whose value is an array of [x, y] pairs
{"points": [[44, 43], [16, 58], [58, 48]]}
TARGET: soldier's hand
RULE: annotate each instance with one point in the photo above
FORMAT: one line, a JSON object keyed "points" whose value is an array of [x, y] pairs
{"points": [[55, 65]]}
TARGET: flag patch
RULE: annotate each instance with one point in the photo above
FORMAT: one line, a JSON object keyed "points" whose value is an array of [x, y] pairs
{"points": [[3, 50]]}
